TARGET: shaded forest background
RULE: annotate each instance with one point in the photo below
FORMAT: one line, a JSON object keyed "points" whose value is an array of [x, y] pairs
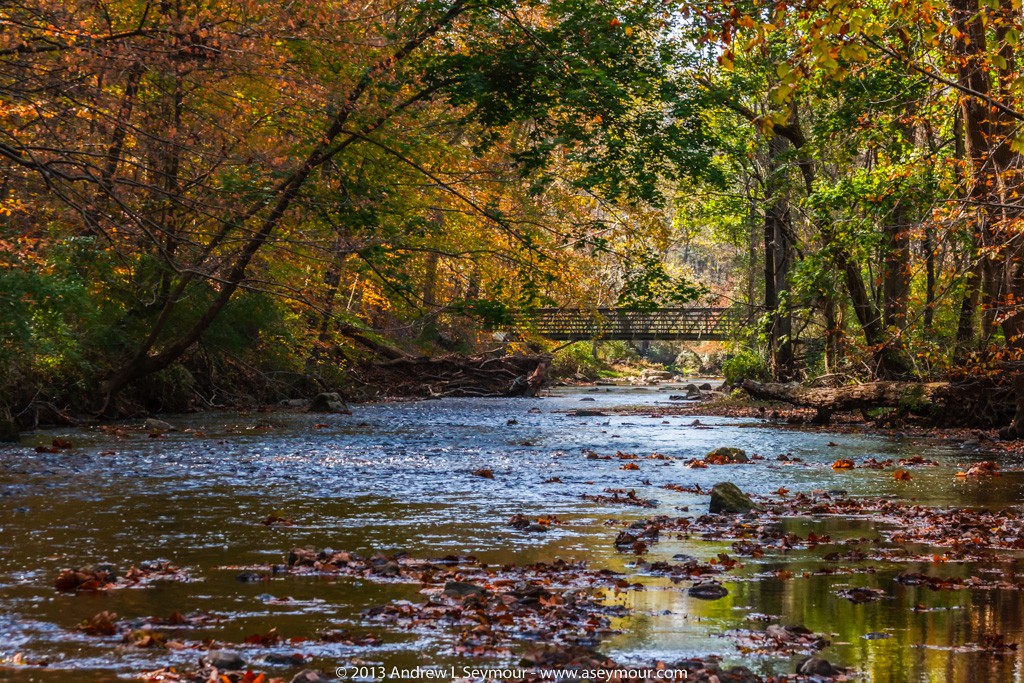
{"points": [[201, 201]]}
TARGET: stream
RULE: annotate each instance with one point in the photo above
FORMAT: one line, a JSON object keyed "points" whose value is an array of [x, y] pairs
{"points": [[399, 477]]}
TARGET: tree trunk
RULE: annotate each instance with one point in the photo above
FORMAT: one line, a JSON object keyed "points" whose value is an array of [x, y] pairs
{"points": [[929, 267], [896, 272], [777, 257]]}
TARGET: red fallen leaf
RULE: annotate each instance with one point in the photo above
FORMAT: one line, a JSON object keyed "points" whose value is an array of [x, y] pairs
{"points": [[275, 520], [917, 460], [683, 489], [630, 466], [70, 580], [269, 638], [901, 475], [782, 491], [981, 469], [873, 464], [346, 638], [843, 464], [102, 624], [319, 425], [725, 561], [145, 639], [484, 472]]}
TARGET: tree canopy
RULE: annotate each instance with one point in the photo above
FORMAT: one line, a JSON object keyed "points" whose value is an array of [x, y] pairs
{"points": [[189, 189]]}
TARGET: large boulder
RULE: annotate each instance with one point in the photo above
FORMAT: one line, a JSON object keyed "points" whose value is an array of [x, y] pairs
{"points": [[328, 402], [726, 498], [727, 454]]}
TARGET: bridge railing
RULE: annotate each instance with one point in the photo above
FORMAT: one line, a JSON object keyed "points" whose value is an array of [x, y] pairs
{"points": [[629, 324]]}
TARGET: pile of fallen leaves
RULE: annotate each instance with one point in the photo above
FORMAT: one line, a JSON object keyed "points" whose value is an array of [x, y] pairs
{"points": [[106, 577], [621, 497], [778, 640]]}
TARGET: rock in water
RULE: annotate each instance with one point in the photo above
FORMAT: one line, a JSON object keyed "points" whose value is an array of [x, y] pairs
{"points": [[459, 589], [726, 498], [155, 425], [224, 659], [816, 666], [708, 590], [727, 453], [313, 676], [328, 402]]}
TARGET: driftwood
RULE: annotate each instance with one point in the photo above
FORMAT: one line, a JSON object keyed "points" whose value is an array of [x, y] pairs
{"points": [[456, 375], [909, 397]]}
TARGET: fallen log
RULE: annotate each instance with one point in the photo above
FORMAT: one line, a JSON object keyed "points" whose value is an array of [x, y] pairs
{"points": [[456, 375], [909, 397]]}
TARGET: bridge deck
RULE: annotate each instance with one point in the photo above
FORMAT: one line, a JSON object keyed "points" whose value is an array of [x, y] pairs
{"points": [[684, 324]]}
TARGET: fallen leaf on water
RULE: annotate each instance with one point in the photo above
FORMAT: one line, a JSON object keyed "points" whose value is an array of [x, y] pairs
{"points": [[276, 520], [271, 637], [101, 624]]}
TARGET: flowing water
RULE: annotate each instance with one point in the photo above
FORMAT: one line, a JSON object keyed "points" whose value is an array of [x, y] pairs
{"points": [[399, 476]]}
